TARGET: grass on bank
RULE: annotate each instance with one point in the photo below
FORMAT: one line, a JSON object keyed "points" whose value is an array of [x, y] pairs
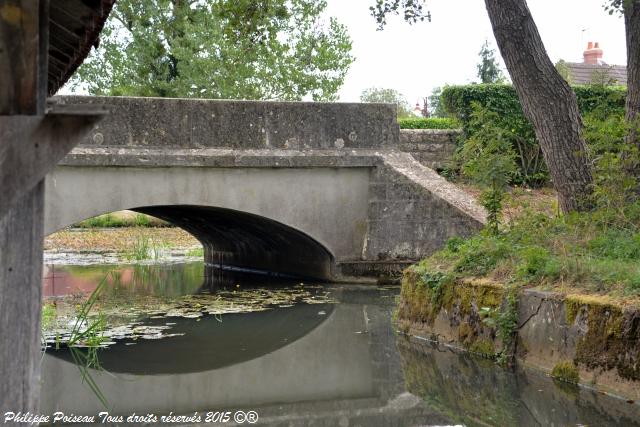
{"points": [[596, 252], [121, 219]]}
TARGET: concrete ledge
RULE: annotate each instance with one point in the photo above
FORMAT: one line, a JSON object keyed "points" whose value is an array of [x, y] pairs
{"points": [[218, 158]]}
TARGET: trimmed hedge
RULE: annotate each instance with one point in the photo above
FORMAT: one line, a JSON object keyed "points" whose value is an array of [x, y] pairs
{"points": [[428, 123], [503, 100], [459, 101]]}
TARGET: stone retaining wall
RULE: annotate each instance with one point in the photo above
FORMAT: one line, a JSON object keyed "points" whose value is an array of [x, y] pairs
{"points": [[433, 148], [589, 337]]}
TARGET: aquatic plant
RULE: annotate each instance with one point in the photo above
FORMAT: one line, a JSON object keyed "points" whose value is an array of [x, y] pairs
{"points": [[86, 338], [566, 371]]}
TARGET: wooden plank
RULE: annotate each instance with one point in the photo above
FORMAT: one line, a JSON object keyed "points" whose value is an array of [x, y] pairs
{"points": [[19, 57]]}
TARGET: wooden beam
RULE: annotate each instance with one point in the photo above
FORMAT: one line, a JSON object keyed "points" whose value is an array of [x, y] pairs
{"points": [[23, 86], [20, 61], [21, 236], [32, 146]]}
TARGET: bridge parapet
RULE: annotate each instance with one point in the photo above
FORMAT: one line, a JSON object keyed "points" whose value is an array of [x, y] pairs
{"points": [[203, 123]]}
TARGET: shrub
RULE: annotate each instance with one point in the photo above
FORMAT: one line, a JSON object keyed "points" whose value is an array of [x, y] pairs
{"points": [[598, 101], [428, 123], [488, 160]]}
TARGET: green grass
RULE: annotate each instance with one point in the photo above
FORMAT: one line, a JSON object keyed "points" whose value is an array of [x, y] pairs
{"points": [[143, 248], [48, 315], [428, 123], [116, 221], [596, 252], [196, 252]]}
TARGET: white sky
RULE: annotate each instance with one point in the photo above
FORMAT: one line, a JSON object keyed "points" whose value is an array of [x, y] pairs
{"points": [[414, 59]]}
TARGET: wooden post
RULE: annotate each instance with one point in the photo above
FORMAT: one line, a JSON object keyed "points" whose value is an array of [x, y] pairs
{"points": [[23, 85], [32, 141]]}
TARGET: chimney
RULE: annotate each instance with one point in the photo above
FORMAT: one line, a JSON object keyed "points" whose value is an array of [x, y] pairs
{"points": [[593, 54]]}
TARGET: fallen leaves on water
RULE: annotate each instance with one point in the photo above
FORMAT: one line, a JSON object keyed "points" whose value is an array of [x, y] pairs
{"points": [[126, 317]]}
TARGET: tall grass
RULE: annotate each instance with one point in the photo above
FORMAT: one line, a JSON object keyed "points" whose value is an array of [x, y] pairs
{"points": [[85, 338], [144, 248]]}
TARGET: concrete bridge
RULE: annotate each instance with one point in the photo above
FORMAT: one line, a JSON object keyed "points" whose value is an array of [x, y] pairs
{"points": [[304, 189]]}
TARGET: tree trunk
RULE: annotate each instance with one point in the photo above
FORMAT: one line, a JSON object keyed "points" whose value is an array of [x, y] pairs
{"points": [[547, 101], [632, 29]]}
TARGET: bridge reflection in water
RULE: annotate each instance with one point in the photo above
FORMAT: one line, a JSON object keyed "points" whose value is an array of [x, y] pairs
{"points": [[320, 364]]}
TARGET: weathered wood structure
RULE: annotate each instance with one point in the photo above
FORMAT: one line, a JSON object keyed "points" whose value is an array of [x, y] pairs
{"points": [[42, 42]]}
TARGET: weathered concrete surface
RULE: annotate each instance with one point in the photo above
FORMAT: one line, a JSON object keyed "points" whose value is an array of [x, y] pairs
{"points": [[327, 204], [362, 207], [601, 339], [431, 147], [413, 211], [330, 175], [193, 123]]}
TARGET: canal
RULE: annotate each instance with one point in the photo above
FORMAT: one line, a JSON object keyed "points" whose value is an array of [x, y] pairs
{"points": [[171, 340]]}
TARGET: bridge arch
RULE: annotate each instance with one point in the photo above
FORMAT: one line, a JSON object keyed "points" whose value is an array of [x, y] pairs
{"points": [[297, 222], [246, 241]]}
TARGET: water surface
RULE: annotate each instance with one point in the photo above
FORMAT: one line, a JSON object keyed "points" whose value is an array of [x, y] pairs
{"points": [[331, 362]]}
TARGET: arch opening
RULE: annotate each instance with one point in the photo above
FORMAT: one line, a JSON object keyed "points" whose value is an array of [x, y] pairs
{"points": [[235, 240]]}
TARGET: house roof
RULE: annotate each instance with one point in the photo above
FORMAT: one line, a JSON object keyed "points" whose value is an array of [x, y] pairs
{"points": [[74, 26], [581, 73]]}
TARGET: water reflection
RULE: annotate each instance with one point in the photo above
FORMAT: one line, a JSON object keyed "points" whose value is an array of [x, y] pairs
{"points": [[170, 280], [477, 393], [310, 365], [213, 342]]}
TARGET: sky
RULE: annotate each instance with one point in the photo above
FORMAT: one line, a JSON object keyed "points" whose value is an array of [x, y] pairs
{"points": [[413, 59]]}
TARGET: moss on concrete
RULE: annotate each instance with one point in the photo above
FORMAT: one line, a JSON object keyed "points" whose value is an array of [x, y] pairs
{"points": [[611, 337], [483, 347], [608, 336], [425, 295]]}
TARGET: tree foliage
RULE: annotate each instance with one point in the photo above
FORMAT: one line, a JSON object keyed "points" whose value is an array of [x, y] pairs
{"points": [[388, 96], [436, 107], [241, 49], [413, 11], [488, 68]]}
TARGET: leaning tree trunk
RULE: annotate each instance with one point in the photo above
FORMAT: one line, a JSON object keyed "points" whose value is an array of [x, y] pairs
{"points": [[632, 29], [546, 99]]}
